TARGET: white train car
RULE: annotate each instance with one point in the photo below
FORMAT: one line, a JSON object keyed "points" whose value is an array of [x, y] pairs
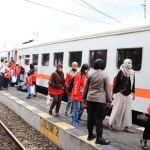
{"points": [[112, 45]]}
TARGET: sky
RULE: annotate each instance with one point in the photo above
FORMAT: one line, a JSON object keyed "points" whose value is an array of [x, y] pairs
{"points": [[21, 20]]}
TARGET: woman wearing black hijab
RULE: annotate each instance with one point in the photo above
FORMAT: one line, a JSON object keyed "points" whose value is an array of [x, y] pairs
{"points": [[97, 93]]}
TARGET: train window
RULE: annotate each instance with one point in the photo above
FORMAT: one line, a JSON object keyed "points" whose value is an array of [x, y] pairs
{"points": [[58, 58], [35, 58], [75, 56], [45, 59], [98, 54], [135, 54], [27, 59]]}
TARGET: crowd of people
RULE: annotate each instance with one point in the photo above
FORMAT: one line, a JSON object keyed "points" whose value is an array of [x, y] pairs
{"points": [[85, 90]]}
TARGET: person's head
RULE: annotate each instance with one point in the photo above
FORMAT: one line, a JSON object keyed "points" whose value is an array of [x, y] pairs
{"points": [[59, 67], [74, 66], [17, 63], [31, 66], [85, 69], [128, 63], [35, 63], [99, 64], [2, 60]]}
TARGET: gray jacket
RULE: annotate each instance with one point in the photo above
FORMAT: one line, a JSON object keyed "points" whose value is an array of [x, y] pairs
{"points": [[97, 87]]}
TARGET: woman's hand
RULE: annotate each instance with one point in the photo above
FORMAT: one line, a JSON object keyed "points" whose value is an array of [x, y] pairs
{"points": [[110, 105]]}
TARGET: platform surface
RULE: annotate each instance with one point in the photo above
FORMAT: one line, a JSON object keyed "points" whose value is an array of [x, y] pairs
{"points": [[120, 140]]}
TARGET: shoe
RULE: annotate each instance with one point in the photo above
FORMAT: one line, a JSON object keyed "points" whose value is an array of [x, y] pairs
{"points": [[34, 95], [143, 144], [77, 124], [50, 112], [102, 141], [110, 127], [71, 118], [91, 137], [28, 97]]}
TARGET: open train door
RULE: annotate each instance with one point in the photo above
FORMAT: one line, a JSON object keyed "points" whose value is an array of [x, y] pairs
{"points": [[15, 56]]}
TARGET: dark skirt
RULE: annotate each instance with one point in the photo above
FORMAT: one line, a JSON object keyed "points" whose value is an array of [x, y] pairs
{"points": [[146, 134]]}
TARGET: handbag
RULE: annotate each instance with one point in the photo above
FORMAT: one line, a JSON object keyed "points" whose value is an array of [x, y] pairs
{"points": [[13, 79]]}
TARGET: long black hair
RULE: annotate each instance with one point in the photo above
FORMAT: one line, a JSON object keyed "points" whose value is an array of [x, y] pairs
{"points": [[99, 64], [83, 68]]}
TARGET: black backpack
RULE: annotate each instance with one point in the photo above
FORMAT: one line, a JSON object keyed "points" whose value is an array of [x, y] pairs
{"points": [[22, 70], [70, 85]]}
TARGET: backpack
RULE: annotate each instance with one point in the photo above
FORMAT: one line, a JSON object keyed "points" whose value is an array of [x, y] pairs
{"points": [[22, 70], [115, 78], [70, 85]]}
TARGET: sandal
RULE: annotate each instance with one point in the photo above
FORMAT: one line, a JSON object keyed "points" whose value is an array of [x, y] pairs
{"points": [[143, 144], [126, 129], [57, 115], [50, 112], [110, 126]]}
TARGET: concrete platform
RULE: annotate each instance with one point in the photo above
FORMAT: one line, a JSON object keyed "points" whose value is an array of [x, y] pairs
{"points": [[70, 137]]}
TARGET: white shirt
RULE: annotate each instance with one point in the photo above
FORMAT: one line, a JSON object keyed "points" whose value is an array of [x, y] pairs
{"points": [[2, 68]]}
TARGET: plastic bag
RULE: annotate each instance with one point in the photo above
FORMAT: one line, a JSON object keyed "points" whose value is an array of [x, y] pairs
{"points": [[32, 89], [48, 101], [13, 79]]}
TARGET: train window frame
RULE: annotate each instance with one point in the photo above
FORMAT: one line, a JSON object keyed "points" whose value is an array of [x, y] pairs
{"points": [[27, 58], [70, 62], [48, 60], [37, 58], [135, 67], [98, 50], [56, 59]]}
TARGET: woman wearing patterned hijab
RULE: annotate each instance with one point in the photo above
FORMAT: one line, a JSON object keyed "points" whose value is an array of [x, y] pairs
{"points": [[125, 85]]}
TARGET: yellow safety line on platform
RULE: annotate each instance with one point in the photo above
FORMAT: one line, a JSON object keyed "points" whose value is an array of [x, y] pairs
{"points": [[31, 107], [45, 115], [12, 97], [6, 93], [64, 125], [84, 138], [20, 102], [2, 91]]}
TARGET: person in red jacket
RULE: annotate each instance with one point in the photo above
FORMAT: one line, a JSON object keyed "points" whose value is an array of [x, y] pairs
{"points": [[34, 81], [146, 133], [12, 71], [77, 91], [6, 77], [73, 72], [18, 70], [56, 89], [29, 84]]}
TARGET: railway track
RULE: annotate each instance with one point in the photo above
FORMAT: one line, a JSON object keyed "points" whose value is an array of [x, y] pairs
{"points": [[7, 140]]}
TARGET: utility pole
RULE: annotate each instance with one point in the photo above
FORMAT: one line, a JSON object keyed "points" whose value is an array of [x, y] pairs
{"points": [[144, 6]]}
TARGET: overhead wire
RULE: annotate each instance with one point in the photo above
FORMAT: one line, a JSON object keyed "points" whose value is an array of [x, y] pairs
{"points": [[67, 12], [99, 11], [119, 9]]}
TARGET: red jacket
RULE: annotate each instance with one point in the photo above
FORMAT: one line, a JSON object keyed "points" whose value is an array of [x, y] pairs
{"points": [[148, 110], [18, 70], [70, 75], [7, 73], [13, 68], [55, 91], [29, 81], [78, 87], [34, 76]]}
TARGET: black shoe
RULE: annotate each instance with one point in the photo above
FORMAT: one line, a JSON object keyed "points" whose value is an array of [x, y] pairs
{"points": [[102, 141], [91, 137], [34, 95], [28, 97]]}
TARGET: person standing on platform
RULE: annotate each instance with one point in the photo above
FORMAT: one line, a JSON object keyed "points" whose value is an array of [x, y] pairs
{"points": [[146, 133], [12, 71], [97, 93], [2, 71], [73, 72], [125, 85], [34, 81], [77, 91], [56, 89], [29, 84], [18, 70], [6, 77]]}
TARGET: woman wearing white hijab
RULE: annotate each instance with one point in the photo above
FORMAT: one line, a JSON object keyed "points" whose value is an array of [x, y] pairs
{"points": [[125, 85]]}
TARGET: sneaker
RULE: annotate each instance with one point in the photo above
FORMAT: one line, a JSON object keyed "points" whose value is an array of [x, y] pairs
{"points": [[91, 137], [77, 124], [102, 141], [71, 118], [34, 95], [28, 97]]}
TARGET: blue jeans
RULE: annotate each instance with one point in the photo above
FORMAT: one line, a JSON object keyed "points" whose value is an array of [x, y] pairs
{"points": [[28, 93], [78, 109], [69, 103], [18, 78], [81, 110], [1, 80]]}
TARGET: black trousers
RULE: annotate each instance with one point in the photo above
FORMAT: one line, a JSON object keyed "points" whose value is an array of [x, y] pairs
{"points": [[100, 110], [146, 133], [6, 83]]}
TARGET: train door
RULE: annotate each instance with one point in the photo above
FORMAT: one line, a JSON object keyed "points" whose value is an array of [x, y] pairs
{"points": [[15, 56], [8, 57]]}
